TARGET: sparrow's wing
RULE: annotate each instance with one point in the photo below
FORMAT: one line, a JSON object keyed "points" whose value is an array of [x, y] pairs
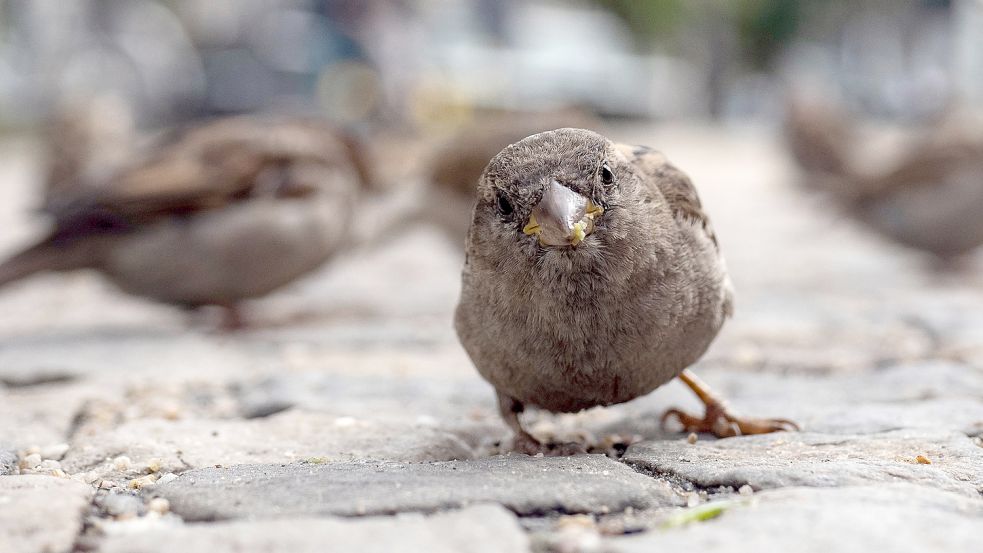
{"points": [[205, 168], [674, 185]]}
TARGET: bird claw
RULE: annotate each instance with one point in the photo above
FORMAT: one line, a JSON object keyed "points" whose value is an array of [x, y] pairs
{"points": [[722, 424]]}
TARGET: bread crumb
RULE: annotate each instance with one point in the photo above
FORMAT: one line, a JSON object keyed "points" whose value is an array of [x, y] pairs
{"points": [[122, 463], [159, 505]]}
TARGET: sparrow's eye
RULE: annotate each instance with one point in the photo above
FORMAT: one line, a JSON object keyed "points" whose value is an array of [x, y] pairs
{"points": [[607, 177], [504, 206]]}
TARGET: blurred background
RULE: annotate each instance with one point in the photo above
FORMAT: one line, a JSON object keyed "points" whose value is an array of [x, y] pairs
{"points": [[427, 63]]}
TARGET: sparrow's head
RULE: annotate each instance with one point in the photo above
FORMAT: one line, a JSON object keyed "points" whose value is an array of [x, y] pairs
{"points": [[560, 193]]}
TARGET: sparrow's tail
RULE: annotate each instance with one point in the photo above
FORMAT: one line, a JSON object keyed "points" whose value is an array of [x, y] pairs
{"points": [[47, 255]]}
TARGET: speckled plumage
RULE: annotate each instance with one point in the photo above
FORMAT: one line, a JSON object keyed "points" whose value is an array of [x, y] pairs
{"points": [[623, 312]]}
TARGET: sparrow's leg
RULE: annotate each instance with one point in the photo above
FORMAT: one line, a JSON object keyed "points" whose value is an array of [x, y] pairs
{"points": [[524, 442], [718, 419], [232, 317]]}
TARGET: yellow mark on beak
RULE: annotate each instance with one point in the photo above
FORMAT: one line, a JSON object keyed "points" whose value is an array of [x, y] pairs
{"points": [[578, 234], [532, 227]]}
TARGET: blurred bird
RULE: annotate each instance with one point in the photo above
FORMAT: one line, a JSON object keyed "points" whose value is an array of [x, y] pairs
{"points": [[930, 197], [592, 277], [211, 215], [87, 141]]}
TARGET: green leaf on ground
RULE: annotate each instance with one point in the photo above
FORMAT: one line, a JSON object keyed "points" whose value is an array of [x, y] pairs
{"points": [[700, 513]]}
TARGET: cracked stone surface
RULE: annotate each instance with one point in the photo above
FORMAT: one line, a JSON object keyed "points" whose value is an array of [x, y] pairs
{"points": [[281, 438], [350, 397], [896, 517], [820, 460], [40, 415], [482, 529], [526, 485], [40, 513]]}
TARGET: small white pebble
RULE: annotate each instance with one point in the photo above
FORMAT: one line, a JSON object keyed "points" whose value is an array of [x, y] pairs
{"points": [[692, 438], [692, 500], [343, 422], [159, 505], [58, 473], [106, 485], [31, 461], [55, 451], [154, 465], [122, 463], [605, 509], [49, 464], [745, 490], [166, 478]]}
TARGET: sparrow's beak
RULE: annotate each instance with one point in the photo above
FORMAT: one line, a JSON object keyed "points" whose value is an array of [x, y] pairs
{"points": [[563, 217]]}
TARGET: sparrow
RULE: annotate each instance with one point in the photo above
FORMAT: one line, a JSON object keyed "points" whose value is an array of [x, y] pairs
{"points": [[210, 215], [929, 197], [592, 277]]}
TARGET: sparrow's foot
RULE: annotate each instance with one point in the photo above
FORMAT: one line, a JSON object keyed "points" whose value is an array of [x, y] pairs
{"points": [[525, 442], [718, 419], [722, 424], [233, 319]]}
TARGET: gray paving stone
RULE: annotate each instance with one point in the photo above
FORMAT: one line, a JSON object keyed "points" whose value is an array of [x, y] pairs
{"points": [[8, 460], [40, 514], [282, 438], [939, 395], [932, 395], [391, 395], [41, 415], [856, 519], [790, 330], [478, 529], [526, 485], [133, 353], [820, 460]]}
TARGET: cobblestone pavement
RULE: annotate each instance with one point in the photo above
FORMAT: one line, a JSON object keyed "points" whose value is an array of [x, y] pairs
{"points": [[350, 418]]}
